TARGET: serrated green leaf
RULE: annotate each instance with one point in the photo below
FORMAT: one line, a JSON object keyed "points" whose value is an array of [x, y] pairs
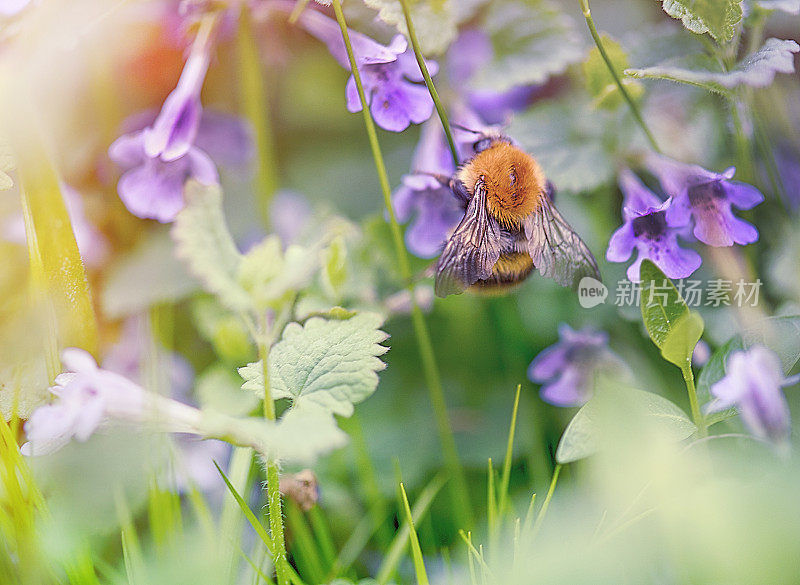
{"points": [[219, 388], [716, 17], [584, 434], [205, 244], [331, 364], [148, 275], [434, 21], [600, 83], [756, 70], [299, 436], [567, 140], [532, 41]]}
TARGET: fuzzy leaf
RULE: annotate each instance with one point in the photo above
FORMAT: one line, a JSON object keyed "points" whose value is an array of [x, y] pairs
{"points": [[567, 141], [269, 275], [531, 40], [299, 436], [584, 433], [148, 275], [716, 17], [331, 364], [219, 388], [599, 81], [756, 70], [434, 21], [204, 242]]}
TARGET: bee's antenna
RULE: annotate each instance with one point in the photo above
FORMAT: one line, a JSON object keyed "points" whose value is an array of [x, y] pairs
{"points": [[465, 129]]}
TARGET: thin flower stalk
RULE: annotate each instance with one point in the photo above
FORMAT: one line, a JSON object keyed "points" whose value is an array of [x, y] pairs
{"points": [[587, 14], [459, 484], [412, 36]]}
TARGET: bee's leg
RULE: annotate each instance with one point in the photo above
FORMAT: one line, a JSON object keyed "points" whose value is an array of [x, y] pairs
{"points": [[550, 190], [459, 189]]}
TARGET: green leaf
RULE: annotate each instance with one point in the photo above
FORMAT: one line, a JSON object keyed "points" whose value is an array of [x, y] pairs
{"points": [[270, 276], [584, 434], [434, 21], [673, 328], [682, 339], [566, 137], [224, 330], [716, 17], [57, 271], [756, 70], [712, 373], [148, 275], [220, 389], [599, 81], [332, 364], [780, 334], [334, 267], [204, 242], [532, 41]]}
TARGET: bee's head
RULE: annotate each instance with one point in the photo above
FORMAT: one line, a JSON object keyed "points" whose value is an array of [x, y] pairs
{"points": [[513, 181]]}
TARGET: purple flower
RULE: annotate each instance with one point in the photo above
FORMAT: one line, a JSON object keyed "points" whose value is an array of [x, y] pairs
{"points": [[390, 74], [567, 370], [433, 206], [152, 188], [473, 50], [159, 159], [173, 132], [647, 230], [86, 397], [753, 382], [707, 197]]}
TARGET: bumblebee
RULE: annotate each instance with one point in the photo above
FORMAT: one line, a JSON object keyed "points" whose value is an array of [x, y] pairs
{"points": [[510, 226]]}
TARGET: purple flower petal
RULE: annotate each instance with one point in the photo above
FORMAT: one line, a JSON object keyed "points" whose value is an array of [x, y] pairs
{"points": [[568, 368], [753, 382], [395, 108], [175, 128], [707, 197], [621, 244], [227, 139], [366, 50], [153, 190]]}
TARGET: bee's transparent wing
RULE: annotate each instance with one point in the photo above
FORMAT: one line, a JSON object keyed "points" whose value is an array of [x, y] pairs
{"points": [[472, 250], [556, 250]]}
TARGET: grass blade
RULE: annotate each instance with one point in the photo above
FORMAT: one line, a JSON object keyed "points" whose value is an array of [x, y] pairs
{"points": [[416, 551]]}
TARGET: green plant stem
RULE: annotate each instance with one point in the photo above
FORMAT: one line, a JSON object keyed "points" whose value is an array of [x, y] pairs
{"points": [[423, 67], [255, 106], [546, 503], [458, 485], [697, 416], [273, 485], [743, 151], [587, 14]]}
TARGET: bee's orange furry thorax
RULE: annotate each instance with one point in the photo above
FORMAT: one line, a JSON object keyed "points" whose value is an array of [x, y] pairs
{"points": [[513, 180]]}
